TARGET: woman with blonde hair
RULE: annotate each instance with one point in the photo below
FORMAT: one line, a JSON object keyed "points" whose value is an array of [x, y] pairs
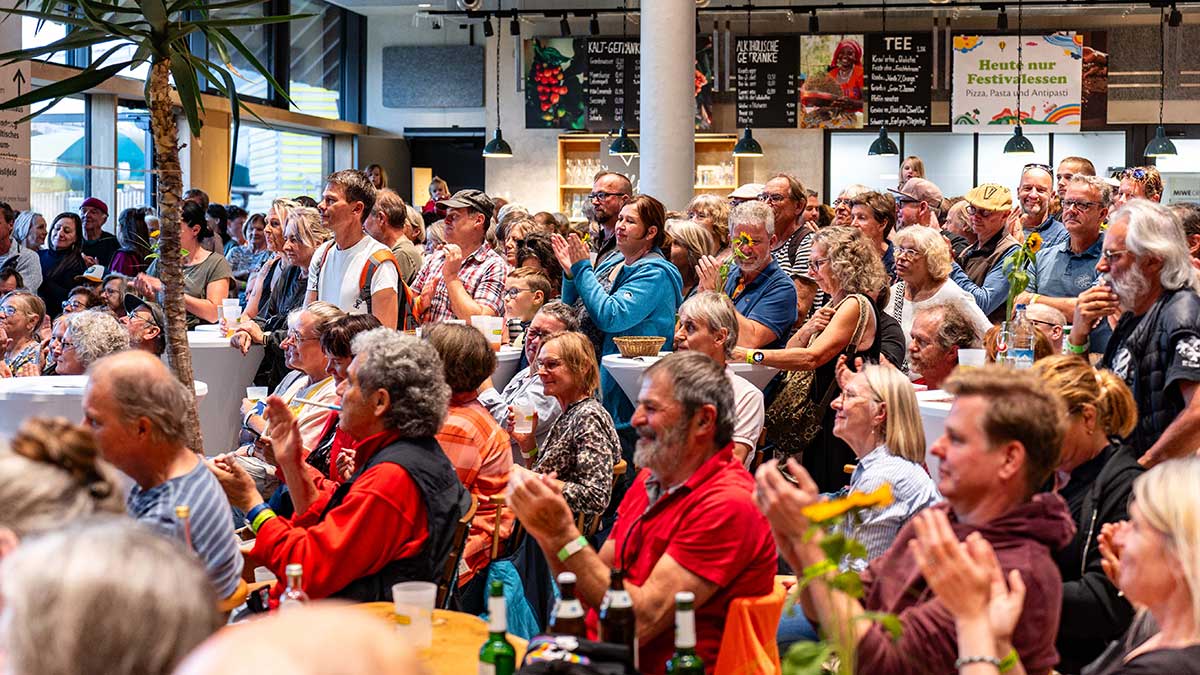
{"points": [[258, 286], [1096, 479], [911, 167], [690, 241], [712, 212], [923, 263]]}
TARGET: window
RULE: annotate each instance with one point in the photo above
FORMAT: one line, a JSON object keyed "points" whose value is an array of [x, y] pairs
{"points": [[849, 164], [996, 167], [133, 157], [257, 40], [50, 32], [949, 159], [1106, 149], [58, 152], [273, 163], [316, 58], [124, 53]]}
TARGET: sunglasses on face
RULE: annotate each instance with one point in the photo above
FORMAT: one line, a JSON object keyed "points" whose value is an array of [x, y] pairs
{"points": [[1037, 165]]}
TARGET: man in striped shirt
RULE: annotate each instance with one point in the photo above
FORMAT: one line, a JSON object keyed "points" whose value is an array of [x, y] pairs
{"points": [[132, 404]]}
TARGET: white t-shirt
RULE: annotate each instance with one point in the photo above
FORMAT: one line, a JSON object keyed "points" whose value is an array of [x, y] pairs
{"points": [[337, 280], [949, 294], [748, 412]]}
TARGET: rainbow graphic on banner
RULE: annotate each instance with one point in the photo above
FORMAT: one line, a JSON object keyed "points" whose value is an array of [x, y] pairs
{"points": [[1062, 112]]}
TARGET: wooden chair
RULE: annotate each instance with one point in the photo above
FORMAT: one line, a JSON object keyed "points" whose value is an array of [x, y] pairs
{"points": [[588, 524], [457, 544]]}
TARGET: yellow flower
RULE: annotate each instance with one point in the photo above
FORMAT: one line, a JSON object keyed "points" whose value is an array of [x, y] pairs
{"points": [[155, 233], [834, 508], [1034, 242]]}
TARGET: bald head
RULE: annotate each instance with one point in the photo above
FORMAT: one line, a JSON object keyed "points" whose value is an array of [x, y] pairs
{"points": [[320, 639]]}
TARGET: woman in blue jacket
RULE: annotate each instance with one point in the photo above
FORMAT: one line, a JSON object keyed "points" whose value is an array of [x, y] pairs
{"points": [[635, 293]]}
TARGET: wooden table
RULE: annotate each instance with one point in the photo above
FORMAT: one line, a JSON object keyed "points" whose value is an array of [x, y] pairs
{"points": [[457, 638]]}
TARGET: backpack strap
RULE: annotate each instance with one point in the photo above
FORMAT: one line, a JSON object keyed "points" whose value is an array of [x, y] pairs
{"points": [[380, 257]]}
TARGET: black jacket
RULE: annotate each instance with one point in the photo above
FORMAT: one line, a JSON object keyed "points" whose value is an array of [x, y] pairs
{"points": [[1093, 611]]}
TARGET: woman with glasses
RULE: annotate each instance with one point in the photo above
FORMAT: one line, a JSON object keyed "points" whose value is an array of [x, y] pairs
{"points": [[62, 261], [845, 265], [206, 275], [923, 266], [582, 446], [20, 315], [81, 299], [712, 212], [89, 337]]}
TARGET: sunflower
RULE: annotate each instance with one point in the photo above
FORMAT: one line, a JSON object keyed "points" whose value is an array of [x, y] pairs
{"points": [[835, 508], [1034, 243]]}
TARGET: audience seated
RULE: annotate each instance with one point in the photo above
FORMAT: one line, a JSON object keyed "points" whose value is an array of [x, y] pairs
{"points": [[1049, 322], [88, 337], [938, 333], [207, 276], [979, 270], [526, 291], [394, 518], [112, 290], [146, 323], [62, 260]]}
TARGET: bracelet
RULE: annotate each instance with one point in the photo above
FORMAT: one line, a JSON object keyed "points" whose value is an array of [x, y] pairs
{"points": [[253, 513], [262, 518], [968, 660], [574, 546], [1034, 299], [1010, 661], [1077, 349]]}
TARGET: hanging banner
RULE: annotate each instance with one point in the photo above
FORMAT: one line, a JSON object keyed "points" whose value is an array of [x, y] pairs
{"points": [[984, 98], [899, 77], [766, 81], [831, 67], [555, 83]]}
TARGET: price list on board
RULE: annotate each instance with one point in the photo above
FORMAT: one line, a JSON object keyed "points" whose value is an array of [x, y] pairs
{"points": [[898, 79], [613, 84], [766, 81]]}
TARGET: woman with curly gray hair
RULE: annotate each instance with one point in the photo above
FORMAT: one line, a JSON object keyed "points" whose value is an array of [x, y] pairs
{"points": [[363, 538], [846, 266], [90, 335]]}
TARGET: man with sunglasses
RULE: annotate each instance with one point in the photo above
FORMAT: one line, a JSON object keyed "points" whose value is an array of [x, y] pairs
{"points": [[1066, 269], [1139, 182], [611, 191], [980, 268], [1035, 194]]}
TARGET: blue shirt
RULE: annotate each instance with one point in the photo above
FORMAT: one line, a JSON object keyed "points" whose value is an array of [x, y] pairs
{"points": [[1062, 273], [211, 522], [889, 261], [1052, 232], [769, 299], [912, 490]]}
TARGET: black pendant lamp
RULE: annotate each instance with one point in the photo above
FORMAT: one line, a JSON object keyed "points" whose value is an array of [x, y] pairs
{"points": [[746, 145], [623, 145], [1019, 144], [1160, 145], [883, 146], [497, 148]]}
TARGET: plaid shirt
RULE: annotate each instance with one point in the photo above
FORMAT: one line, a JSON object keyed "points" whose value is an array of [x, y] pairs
{"points": [[483, 274]]}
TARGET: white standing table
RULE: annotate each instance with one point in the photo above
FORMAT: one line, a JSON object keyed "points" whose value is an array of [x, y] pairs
{"points": [[628, 372], [227, 373], [934, 406]]}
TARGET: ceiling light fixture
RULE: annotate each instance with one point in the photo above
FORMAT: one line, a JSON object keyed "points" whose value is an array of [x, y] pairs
{"points": [[814, 24], [487, 27], [1160, 145], [564, 26], [594, 25], [498, 148], [1019, 144], [1002, 19]]}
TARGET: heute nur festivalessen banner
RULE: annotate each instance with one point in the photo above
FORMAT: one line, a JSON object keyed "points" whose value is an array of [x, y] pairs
{"points": [[985, 83]]}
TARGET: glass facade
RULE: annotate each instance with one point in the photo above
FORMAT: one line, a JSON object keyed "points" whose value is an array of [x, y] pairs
{"points": [[272, 163], [315, 71], [58, 150]]}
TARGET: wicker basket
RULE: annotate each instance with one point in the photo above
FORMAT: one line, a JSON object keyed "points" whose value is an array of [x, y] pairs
{"points": [[631, 346]]}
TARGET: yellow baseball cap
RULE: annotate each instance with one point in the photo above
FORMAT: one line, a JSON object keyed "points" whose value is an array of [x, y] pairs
{"points": [[989, 196]]}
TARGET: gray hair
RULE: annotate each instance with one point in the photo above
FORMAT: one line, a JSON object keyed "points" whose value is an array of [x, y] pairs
{"points": [[146, 389], [955, 328], [853, 192], [716, 311], [697, 381], [1096, 183], [565, 314], [752, 212], [96, 334], [410, 371], [1154, 231], [309, 229], [95, 592]]}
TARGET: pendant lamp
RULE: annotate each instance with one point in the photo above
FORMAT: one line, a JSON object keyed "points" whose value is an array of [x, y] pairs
{"points": [[883, 146], [623, 145], [746, 145], [1019, 144], [497, 148], [1160, 145]]}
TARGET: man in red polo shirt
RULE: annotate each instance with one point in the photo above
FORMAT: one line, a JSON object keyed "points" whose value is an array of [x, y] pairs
{"points": [[688, 523]]}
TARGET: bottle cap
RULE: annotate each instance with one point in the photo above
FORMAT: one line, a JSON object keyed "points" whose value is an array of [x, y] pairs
{"points": [[684, 596], [182, 511], [566, 578], [294, 569], [496, 589]]}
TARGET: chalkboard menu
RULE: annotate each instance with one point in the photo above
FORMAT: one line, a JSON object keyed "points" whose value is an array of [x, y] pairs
{"points": [[766, 81], [898, 79], [613, 83]]}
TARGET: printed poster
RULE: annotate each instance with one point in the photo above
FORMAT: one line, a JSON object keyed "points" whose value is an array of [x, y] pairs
{"points": [[832, 94], [984, 98], [555, 83]]}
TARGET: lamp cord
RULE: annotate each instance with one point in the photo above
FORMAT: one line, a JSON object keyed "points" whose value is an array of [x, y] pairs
{"points": [[498, 79], [1162, 63], [1020, 49]]}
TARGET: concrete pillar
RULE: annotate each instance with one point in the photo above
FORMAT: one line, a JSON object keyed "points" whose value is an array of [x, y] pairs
{"points": [[104, 153], [667, 142]]}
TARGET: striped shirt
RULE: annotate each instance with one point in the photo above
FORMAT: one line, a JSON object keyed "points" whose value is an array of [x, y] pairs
{"points": [[912, 490], [211, 521]]}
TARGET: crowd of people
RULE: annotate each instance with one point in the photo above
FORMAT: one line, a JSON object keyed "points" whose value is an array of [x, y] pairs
{"points": [[1054, 525]]}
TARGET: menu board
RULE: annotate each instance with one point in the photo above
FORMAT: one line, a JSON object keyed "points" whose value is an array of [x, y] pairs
{"points": [[898, 79], [613, 83], [766, 81]]}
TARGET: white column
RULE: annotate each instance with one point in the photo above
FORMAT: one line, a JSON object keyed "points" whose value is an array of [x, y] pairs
{"points": [[667, 142]]}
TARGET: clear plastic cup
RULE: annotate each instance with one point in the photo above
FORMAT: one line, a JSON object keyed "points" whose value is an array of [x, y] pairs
{"points": [[413, 601], [256, 393], [492, 328], [523, 417]]}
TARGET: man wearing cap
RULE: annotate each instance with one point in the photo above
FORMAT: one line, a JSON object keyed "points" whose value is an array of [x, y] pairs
{"points": [[980, 268], [146, 324], [353, 271], [1035, 193], [466, 278], [917, 203], [15, 255], [746, 193], [92, 277], [98, 246]]}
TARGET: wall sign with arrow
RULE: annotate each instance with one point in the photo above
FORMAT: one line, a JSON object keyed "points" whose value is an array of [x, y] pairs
{"points": [[14, 135]]}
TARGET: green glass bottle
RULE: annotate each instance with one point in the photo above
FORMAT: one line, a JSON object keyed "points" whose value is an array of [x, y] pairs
{"points": [[685, 661], [497, 656]]}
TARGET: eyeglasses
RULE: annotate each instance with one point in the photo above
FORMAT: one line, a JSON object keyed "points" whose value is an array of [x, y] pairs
{"points": [[1049, 324], [128, 318], [72, 304], [976, 211], [1110, 255], [548, 364], [514, 292], [907, 252], [771, 198], [8, 310], [65, 344], [815, 263], [1135, 173], [1077, 204], [1037, 165], [600, 196], [295, 336]]}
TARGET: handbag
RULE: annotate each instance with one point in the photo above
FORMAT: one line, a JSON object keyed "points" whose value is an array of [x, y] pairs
{"points": [[793, 419]]}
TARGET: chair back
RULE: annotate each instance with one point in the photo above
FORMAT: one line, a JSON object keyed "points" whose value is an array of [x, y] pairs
{"points": [[748, 644], [589, 523], [457, 544]]}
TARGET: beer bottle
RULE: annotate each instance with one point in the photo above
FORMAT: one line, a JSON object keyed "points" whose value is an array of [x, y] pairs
{"points": [[617, 622], [183, 514], [568, 613], [294, 596], [497, 656], [685, 661]]}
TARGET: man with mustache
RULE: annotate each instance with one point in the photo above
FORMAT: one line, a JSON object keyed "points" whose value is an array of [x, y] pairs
{"points": [[1149, 280], [673, 526]]}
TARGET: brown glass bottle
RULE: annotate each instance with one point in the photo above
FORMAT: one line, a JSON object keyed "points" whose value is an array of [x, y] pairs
{"points": [[618, 624], [568, 612]]}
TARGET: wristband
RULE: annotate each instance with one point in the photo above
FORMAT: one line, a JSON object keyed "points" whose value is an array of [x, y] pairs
{"points": [[574, 546], [968, 660], [1077, 349], [754, 356], [260, 519], [253, 513], [1034, 299], [1010, 661]]}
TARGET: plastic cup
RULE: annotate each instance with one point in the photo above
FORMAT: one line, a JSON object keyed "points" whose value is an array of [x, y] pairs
{"points": [[972, 357], [492, 328], [523, 417], [256, 393], [413, 601]]}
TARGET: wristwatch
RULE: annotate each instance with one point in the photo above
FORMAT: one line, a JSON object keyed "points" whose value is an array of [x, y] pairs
{"points": [[754, 356]]}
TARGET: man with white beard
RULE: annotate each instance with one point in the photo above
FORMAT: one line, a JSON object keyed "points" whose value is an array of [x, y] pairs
{"points": [[1147, 276]]}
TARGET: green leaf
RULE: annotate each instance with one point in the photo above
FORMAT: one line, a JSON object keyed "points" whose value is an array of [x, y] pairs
{"points": [[817, 570], [848, 582], [72, 85], [805, 658], [856, 550], [834, 546], [890, 622], [69, 19], [188, 89], [75, 39], [184, 5], [156, 14]]}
